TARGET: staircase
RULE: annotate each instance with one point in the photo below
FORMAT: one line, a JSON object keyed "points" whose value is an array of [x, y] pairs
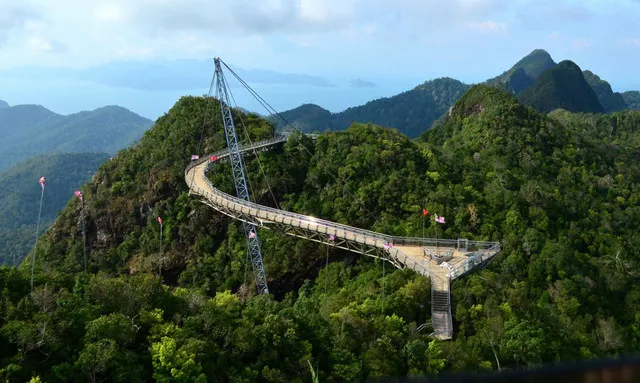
{"points": [[441, 309]]}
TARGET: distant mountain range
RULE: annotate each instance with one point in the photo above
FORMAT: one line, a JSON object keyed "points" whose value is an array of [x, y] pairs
{"points": [[29, 130], [536, 79], [412, 111]]}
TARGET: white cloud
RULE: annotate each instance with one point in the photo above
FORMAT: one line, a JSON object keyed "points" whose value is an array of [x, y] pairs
{"points": [[635, 41], [99, 31], [488, 26]]}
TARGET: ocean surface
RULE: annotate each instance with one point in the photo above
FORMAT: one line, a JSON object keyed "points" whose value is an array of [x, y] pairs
{"points": [[72, 96]]}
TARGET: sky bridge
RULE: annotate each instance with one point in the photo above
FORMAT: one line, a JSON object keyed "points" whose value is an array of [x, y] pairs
{"points": [[442, 260]]}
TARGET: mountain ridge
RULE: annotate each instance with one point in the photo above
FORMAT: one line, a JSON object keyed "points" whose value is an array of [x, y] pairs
{"points": [[411, 111], [524, 72], [518, 78], [564, 87], [29, 130]]}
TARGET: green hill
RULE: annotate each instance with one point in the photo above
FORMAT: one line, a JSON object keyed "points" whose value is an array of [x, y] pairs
{"points": [[412, 112], [632, 99], [20, 196], [558, 191], [564, 87], [29, 130], [306, 118], [523, 73], [610, 101]]}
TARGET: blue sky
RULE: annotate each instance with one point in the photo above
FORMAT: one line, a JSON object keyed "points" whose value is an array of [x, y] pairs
{"points": [[71, 55]]}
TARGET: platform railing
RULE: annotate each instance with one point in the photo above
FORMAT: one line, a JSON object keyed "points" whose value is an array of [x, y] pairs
{"points": [[484, 250]]}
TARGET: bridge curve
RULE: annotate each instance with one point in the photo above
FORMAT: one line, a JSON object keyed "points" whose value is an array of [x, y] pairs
{"points": [[442, 260]]}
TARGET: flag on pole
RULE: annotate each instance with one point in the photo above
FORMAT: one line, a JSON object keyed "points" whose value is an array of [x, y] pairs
{"points": [[194, 157], [252, 234], [425, 212], [78, 194], [439, 218], [42, 181], [160, 220]]}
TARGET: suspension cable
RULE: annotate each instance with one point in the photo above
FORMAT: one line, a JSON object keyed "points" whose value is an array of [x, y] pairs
{"points": [[248, 179], [271, 110], [255, 151]]}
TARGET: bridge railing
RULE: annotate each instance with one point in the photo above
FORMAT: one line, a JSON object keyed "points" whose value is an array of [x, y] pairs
{"points": [[484, 249]]}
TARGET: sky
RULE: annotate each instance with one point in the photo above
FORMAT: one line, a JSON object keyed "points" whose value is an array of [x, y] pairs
{"points": [[72, 55]]}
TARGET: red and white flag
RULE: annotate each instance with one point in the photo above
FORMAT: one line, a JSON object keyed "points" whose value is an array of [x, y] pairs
{"points": [[160, 220], [42, 181]]}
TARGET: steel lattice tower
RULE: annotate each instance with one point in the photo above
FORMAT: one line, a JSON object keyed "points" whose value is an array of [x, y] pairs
{"points": [[237, 167]]}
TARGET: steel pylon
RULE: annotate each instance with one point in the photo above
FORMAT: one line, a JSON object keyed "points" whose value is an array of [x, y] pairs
{"points": [[237, 166]]}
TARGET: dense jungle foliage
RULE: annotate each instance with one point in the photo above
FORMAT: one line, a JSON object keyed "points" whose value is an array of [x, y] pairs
{"points": [[560, 192], [632, 98], [20, 196]]}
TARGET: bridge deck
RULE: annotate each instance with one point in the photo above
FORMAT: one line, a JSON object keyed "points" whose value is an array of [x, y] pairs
{"points": [[442, 260], [404, 252]]}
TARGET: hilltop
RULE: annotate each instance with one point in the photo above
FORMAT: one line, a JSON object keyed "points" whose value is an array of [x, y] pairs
{"points": [[556, 190], [29, 130], [564, 87], [411, 112], [20, 196], [4, 104], [523, 73]]}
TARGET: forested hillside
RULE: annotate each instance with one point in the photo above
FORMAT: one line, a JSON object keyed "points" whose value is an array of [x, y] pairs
{"points": [[411, 112], [564, 87], [560, 193], [632, 98], [20, 196], [611, 101], [29, 130]]}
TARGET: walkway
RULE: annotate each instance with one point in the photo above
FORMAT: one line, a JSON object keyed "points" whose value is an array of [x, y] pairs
{"points": [[441, 260]]}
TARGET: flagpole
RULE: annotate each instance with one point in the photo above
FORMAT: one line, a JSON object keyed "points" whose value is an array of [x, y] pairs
{"points": [[35, 251], [84, 236], [161, 254]]}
